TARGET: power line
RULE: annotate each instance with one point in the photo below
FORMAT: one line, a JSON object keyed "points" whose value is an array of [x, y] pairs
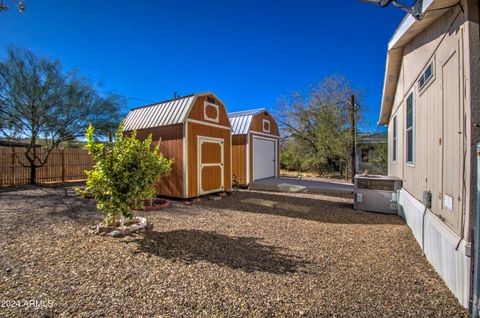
{"points": [[126, 96]]}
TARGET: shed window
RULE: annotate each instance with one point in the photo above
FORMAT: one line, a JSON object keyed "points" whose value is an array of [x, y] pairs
{"points": [[410, 129], [426, 76], [394, 139], [266, 125], [211, 112]]}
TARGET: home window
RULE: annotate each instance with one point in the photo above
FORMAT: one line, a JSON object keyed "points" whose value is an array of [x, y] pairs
{"points": [[210, 99], [426, 76], [266, 125], [410, 129], [394, 139]]}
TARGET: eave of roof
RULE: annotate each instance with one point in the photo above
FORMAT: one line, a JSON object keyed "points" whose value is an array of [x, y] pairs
{"points": [[407, 30], [249, 112], [241, 121]]}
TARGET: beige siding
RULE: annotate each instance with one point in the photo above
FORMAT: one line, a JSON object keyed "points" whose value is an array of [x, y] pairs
{"points": [[395, 168], [400, 92], [439, 118]]}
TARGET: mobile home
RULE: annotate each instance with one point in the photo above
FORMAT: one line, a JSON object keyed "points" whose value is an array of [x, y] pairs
{"points": [[431, 106], [195, 132]]}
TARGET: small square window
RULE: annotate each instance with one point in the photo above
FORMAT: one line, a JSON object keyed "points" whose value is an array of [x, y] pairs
{"points": [[426, 76], [421, 82], [428, 72]]}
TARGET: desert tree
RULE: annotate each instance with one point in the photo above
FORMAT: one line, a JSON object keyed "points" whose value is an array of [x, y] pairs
{"points": [[315, 125], [46, 106]]}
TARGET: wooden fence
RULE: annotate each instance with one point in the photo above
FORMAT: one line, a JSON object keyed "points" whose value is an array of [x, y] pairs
{"points": [[62, 165]]}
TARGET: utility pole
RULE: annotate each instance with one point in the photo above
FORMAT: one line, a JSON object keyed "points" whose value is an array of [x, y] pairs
{"points": [[352, 135]]}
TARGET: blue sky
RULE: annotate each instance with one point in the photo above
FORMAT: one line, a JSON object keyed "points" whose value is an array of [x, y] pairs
{"points": [[250, 53]]}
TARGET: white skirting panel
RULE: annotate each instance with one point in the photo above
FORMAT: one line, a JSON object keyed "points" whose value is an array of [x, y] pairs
{"points": [[439, 244]]}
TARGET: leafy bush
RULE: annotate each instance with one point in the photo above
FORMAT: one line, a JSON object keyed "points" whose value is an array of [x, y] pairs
{"points": [[290, 157], [124, 173]]}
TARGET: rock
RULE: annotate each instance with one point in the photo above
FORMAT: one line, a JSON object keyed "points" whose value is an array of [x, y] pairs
{"points": [[115, 233], [187, 203], [215, 197], [149, 226], [223, 194], [131, 221]]}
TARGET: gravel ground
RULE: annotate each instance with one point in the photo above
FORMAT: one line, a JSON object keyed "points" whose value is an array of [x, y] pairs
{"points": [[251, 254]]}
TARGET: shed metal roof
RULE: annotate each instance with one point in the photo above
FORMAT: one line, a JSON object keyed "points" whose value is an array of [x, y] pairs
{"points": [[241, 121], [165, 113], [372, 138]]}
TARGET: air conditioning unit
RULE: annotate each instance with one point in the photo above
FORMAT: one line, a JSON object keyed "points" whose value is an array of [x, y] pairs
{"points": [[376, 193]]}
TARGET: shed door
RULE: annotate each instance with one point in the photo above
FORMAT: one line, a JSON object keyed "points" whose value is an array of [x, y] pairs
{"points": [[210, 165], [263, 158]]}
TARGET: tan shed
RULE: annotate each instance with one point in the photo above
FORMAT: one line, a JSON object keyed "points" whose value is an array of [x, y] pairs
{"points": [[255, 146], [195, 132]]}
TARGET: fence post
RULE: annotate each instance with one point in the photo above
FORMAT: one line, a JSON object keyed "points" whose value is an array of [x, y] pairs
{"points": [[63, 164], [12, 180]]}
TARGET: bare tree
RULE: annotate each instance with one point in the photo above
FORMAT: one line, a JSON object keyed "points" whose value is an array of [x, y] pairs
{"points": [[44, 105]]}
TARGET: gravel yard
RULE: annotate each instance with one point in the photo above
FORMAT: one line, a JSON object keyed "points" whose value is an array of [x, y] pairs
{"points": [[251, 254]]}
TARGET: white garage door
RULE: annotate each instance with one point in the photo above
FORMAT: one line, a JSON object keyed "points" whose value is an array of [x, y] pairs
{"points": [[263, 158]]}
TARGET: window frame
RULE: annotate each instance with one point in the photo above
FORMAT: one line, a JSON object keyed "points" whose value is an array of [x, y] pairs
{"points": [[395, 139], [266, 121], [205, 115], [411, 128], [427, 81]]}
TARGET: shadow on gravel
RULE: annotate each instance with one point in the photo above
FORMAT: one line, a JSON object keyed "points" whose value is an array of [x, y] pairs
{"points": [[244, 253], [39, 205], [325, 209], [59, 185]]}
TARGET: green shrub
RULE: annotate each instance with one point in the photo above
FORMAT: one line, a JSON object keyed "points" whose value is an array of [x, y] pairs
{"points": [[124, 174]]}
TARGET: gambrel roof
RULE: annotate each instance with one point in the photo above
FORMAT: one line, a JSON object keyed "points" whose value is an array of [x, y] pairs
{"points": [[241, 121], [170, 112]]}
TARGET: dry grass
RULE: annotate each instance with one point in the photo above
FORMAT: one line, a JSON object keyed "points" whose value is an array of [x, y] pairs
{"points": [[251, 254]]}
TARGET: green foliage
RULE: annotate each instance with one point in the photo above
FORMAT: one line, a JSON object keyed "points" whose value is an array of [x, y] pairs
{"points": [[290, 157], [124, 174], [379, 154], [316, 126], [378, 158]]}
